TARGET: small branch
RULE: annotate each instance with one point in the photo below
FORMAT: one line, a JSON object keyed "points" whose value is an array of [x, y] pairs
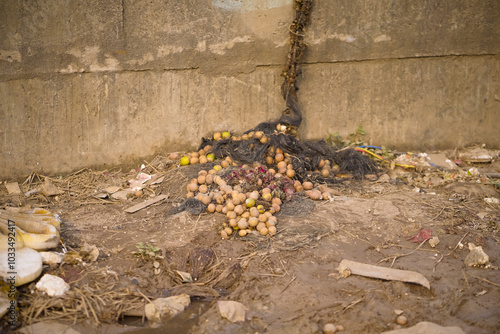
{"points": [[286, 286], [442, 256], [396, 256], [485, 280]]}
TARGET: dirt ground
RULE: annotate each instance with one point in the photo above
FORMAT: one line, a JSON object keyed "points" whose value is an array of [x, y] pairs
{"points": [[289, 282]]}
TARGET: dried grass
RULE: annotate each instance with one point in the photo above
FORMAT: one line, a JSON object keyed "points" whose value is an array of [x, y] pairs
{"points": [[100, 301], [82, 186]]}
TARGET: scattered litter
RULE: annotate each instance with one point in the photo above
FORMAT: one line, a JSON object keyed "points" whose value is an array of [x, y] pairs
{"points": [[51, 258], [122, 195], [38, 228], [52, 285], [441, 161], [476, 155], [155, 179], [146, 203], [186, 277], [102, 195], [492, 200], [28, 266], [31, 192], [482, 293], [422, 235], [347, 268], [398, 312], [434, 241], [411, 160], [89, 252], [50, 189], [477, 256], [112, 189], [162, 309], [473, 171], [427, 328], [13, 188], [140, 179], [231, 310]]}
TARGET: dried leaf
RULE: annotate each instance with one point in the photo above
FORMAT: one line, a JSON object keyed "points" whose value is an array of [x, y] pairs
{"points": [[422, 235]]}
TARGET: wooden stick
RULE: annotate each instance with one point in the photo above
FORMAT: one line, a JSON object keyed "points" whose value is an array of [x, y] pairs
{"points": [[485, 280]]}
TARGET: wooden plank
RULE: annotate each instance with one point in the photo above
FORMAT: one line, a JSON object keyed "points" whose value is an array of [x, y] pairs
{"points": [[145, 204]]}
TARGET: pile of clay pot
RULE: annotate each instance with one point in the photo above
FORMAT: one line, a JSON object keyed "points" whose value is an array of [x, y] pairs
{"points": [[250, 196]]}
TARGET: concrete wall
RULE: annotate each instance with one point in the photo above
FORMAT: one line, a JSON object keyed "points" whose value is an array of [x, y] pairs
{"points": [[97, 83]]}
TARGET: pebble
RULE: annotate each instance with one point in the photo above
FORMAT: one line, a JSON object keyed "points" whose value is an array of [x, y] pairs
{"points": [[329, 329], [402, 320]]}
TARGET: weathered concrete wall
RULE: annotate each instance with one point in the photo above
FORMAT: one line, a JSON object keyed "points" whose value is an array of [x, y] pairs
{"points": [[85, 83]]}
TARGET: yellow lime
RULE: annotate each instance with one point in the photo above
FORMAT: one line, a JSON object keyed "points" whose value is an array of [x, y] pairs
{"points": [[226, 135], [210, 157], [217, 167], [184, 161]]}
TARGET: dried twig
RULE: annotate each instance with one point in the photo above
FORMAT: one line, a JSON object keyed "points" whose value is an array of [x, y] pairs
{"points": [[485, 280], [288, 284], [442, 256], [466, 280], [396, 256]]}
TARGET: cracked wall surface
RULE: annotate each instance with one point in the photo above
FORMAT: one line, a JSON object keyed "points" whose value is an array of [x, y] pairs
{"points": [[98, 83]]}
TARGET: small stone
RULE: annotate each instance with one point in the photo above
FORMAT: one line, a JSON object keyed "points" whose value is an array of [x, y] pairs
{"points": [[433, 241], [231, 310], [402, 320], [477, 256], [165, 308], [52, 285], [329, 329]]}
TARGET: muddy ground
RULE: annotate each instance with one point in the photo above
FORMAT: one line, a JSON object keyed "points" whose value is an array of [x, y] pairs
{"points": [[289, 282]]}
